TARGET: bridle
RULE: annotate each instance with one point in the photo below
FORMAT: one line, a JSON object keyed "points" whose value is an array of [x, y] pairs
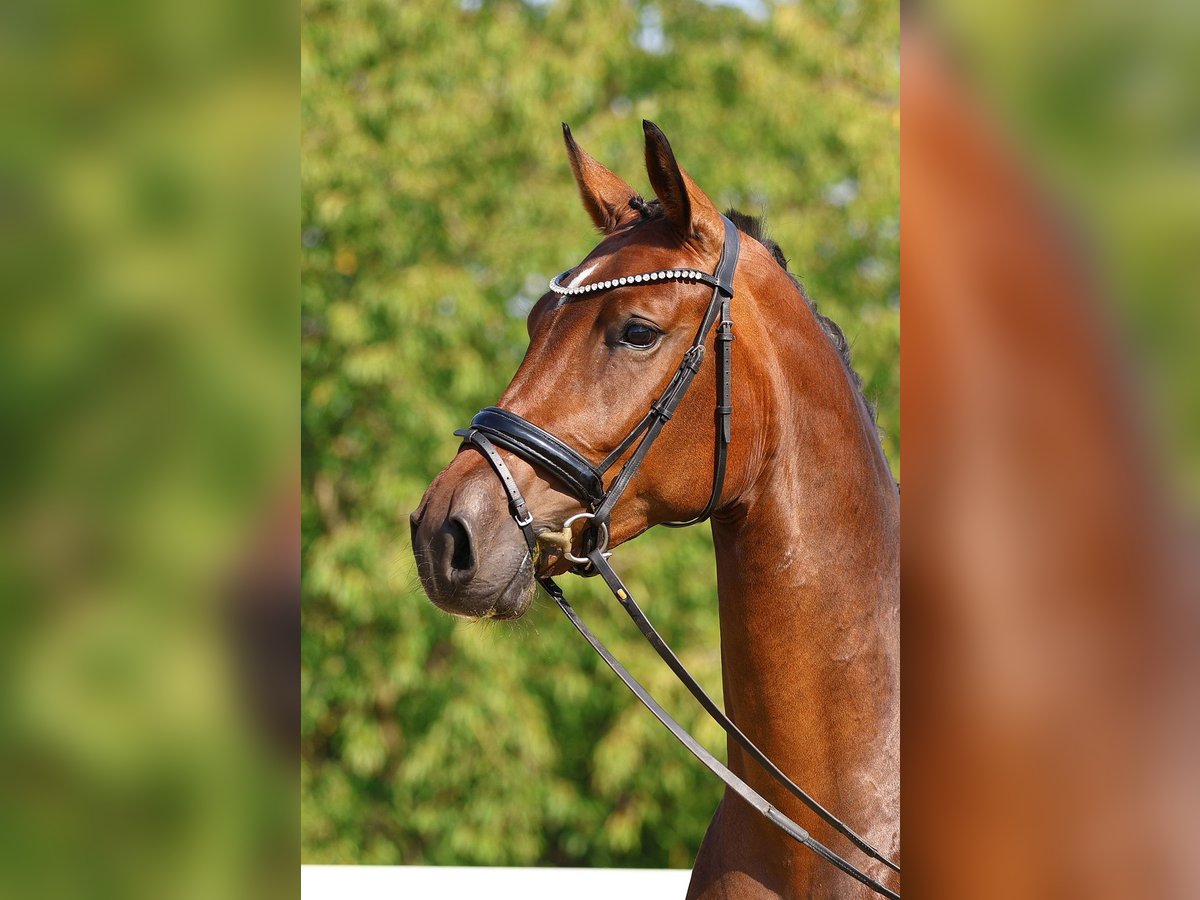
{"points": [[493, 427], [586, 481]]}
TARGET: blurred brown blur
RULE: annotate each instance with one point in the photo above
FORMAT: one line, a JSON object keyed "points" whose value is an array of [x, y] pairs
{"points": [[1051, 621]]}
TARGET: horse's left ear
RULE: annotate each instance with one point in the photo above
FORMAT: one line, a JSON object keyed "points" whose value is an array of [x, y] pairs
{"points": [[686, 207]]}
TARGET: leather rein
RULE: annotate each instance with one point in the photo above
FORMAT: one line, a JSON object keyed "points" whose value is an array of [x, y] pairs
{"points": [[493, 427]]}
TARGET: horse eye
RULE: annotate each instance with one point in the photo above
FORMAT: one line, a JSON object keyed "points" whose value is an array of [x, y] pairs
{"points": [[639, 334]]}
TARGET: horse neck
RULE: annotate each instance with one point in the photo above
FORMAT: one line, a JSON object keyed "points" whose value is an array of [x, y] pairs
{"points": [[808, 578]]}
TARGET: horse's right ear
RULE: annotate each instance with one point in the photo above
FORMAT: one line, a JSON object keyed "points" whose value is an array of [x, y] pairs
{"points": [[605, 196]]}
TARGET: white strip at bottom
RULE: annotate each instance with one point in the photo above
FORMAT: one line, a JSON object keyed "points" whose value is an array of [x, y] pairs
{"points": [[453, 882]]}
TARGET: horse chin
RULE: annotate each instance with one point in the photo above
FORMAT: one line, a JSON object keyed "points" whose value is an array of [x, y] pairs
{"points": [[501, 599], [516, 597]]}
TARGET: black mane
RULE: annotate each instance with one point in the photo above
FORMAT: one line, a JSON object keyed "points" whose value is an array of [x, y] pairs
{"points": [[755, 227]]}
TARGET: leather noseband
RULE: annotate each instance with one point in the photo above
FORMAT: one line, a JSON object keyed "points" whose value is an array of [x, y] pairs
{"points": [[540, 448]]}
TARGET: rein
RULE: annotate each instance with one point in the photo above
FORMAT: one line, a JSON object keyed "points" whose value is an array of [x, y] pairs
{"points": [[492, 427]]}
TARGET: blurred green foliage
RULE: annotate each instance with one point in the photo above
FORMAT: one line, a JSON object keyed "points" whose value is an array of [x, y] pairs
{"points": [[148, 165], [436, 202]]}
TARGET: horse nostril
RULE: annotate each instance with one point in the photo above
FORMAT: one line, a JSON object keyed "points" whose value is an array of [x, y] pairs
{"points": [[462, 558]]}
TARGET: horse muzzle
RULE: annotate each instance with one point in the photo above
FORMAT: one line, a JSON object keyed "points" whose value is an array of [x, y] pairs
{"points": [[471, 557]]}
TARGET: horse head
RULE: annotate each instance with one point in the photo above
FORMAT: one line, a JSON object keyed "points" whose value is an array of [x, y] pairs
{"points": [[601, 350]]}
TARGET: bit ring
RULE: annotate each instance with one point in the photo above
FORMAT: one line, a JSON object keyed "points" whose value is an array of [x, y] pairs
{"points": [[602, 546]]}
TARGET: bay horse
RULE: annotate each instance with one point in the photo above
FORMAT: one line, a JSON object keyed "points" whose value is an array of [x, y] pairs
{"points": [[805, 515]]}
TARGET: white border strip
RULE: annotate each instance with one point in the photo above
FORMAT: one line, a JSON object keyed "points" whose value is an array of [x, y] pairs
{"points": [[451, 882]]}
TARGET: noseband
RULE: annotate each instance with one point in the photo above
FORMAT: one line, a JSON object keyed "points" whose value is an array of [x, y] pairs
{"points": [[494, 427]]}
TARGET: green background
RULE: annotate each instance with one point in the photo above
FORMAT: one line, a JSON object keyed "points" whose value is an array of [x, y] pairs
{"points": [[436, 202]]}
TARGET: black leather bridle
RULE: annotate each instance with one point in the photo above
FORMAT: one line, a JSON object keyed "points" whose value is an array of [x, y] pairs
{"points": [[494, 427]]}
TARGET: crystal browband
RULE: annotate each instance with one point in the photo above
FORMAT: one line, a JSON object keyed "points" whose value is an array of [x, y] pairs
{"points": [[645, 278]]}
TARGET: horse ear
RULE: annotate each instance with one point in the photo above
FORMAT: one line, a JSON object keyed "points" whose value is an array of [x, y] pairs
{"points": [[605, 196], [686, 207]]}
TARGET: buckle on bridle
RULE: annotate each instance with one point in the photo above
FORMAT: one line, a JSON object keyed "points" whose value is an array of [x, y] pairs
{"points": [[694, 358]]}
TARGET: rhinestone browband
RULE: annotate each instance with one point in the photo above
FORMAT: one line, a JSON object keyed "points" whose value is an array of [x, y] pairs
{"points": [[645, 278]]}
